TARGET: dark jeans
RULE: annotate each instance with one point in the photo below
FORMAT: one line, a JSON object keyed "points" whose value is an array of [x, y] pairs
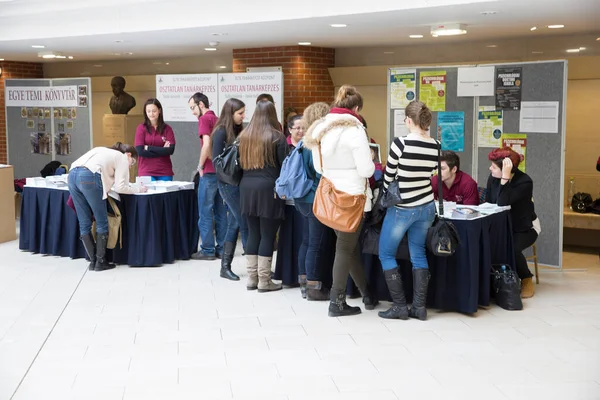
{"points": [[261, 236], [235, 220], [212, 215], [348, 260], [87, 192], [312, 238], [521, 241]]}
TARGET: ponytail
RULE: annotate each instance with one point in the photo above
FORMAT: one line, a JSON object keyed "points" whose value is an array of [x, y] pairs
{"points": [[419, 113]]}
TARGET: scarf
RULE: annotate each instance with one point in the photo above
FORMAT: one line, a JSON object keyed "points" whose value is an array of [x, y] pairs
{"points": [[339, 110]]}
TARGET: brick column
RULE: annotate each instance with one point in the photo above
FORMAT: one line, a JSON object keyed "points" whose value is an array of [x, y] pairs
{"points": [[13, 70], [305, 71]]}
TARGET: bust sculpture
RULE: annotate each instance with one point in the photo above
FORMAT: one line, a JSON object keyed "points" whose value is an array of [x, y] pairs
{"points": [[121, 102]]}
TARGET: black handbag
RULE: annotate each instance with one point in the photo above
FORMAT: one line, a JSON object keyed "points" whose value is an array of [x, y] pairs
{"points": [[506, 287], [391, 197], [227, 165], [442, 236], [581, 202]]}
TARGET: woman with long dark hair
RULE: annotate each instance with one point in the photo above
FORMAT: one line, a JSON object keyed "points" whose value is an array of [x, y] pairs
{"points": [[90, 179], [155, 143], [262, 150], [226, 131]]}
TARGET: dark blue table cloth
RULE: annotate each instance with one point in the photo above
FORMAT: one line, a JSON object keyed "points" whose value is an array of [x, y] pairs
{"points": [[157, 229], [461, 282]]}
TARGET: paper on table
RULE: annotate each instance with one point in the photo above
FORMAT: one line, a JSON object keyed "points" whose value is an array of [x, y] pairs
{"points": [[400, 128], [539, 117]]}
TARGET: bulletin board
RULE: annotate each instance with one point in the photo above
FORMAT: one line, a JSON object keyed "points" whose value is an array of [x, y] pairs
{"points": [[539, 82]]}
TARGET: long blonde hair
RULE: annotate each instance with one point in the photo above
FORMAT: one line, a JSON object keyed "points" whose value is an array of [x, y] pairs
{"points": [[257, 140]]}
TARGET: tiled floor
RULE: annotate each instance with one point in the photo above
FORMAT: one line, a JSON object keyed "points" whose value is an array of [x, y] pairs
{"points": [[181, 332]]}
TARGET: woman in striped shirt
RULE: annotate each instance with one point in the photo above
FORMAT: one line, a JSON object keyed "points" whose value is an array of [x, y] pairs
{"points": [[411, 162]]}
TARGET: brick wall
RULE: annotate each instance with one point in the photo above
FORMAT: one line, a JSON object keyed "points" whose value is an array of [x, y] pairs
{"points": [[305, 71], [13, 70]]}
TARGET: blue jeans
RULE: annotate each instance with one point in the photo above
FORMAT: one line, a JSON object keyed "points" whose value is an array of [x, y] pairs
{"points": [[310, 249], [161, 178], [86, 190], [212, 215], [397, 222], [235, 220]]}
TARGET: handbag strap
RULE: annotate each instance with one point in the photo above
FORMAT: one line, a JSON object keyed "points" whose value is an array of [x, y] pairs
{"points": [[323, 167], [439, 179]]}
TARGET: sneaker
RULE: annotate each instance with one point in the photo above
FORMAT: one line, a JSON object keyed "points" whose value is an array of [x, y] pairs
{"points": [[203, 256]]}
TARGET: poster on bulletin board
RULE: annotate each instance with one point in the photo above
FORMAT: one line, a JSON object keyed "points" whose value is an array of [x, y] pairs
{"points": [[433, 90], [451, 128], [518, 142]]}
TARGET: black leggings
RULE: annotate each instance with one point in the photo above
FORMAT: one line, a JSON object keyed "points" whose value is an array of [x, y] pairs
{"points": [[521, 241], [261, 236]]}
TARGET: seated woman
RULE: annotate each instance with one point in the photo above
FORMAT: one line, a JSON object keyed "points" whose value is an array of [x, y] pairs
{"points": [[155, 143], [508, 186]]}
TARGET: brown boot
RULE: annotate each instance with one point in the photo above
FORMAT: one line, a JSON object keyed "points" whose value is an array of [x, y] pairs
{"points": [[265, 284], [252, 267], [316, 292], [527, 288]]}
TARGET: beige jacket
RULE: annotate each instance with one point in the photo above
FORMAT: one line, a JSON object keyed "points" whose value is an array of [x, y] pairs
{"points": [[113, 167]]}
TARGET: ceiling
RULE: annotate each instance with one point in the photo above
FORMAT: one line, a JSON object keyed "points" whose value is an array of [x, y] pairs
{"points": [[106, 30]]}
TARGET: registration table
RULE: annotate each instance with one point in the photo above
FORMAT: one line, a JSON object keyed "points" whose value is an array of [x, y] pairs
{"points": [[158, 228], [460, 282]]}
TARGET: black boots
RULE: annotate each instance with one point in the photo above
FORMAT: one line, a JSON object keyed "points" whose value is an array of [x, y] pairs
{"points": [[101, 263], [226, 259], [90, 248], [399, 310], [316, 292], [369, 301], [420, 283], [339, 308]]}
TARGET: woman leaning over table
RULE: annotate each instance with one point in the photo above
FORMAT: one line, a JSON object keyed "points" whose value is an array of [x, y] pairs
{"points": [[91, 177], [508, 186], [155, 143]]}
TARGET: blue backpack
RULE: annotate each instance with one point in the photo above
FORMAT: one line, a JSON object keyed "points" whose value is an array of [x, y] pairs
{"points": [[293, 182]]}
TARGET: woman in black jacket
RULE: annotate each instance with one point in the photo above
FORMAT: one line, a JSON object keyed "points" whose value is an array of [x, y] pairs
{"points": [[508, 186], [226, 131], [262, 151]]}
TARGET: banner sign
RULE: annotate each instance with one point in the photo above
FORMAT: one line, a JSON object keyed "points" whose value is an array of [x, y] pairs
{"points": [[45, 96], [174, 92]]}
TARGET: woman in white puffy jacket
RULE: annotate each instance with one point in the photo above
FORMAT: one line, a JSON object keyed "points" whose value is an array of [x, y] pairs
{"points": [[347, 163]]}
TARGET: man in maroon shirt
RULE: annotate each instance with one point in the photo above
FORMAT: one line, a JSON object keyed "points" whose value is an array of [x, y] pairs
{"points": [[210, 204], [457, 186]]}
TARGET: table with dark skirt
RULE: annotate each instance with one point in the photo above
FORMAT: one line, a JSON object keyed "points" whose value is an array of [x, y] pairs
{"points": [[157, 228], [461, 282]]}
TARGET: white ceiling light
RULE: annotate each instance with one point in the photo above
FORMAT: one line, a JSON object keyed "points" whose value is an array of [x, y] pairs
{"points": [[210, 49], [488, 12], [98, 65], [582, 48], [556, 26], [70, 57], [388, 52], [129, 54], [492, 46], [218, 34], [537, 52], [572, 50], [38, 46], [1, 59], [338, 25], [598, 39], [223, 66], [533, 28], [415, 36], [448, 30], [304, 43], [166, 63]]}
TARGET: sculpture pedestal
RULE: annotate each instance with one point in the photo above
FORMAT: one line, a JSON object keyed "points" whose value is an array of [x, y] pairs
{"points": [[119, 128]]}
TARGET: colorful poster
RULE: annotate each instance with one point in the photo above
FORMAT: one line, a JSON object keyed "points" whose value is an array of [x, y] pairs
{"points": [[508, 88], [248, 86], [518, 142], [489, 126], [174, 92], [433, 90], [451, 128], [402, 87]]}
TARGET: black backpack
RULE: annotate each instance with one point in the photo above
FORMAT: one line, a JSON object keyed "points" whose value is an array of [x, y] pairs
{"points": [[581, 202]]}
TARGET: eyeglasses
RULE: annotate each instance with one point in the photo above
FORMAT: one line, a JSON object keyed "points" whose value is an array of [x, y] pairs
{"points": [[297, 127]]}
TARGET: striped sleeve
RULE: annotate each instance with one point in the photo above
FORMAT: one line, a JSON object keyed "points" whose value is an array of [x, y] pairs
{"points": [[391, 168]]}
